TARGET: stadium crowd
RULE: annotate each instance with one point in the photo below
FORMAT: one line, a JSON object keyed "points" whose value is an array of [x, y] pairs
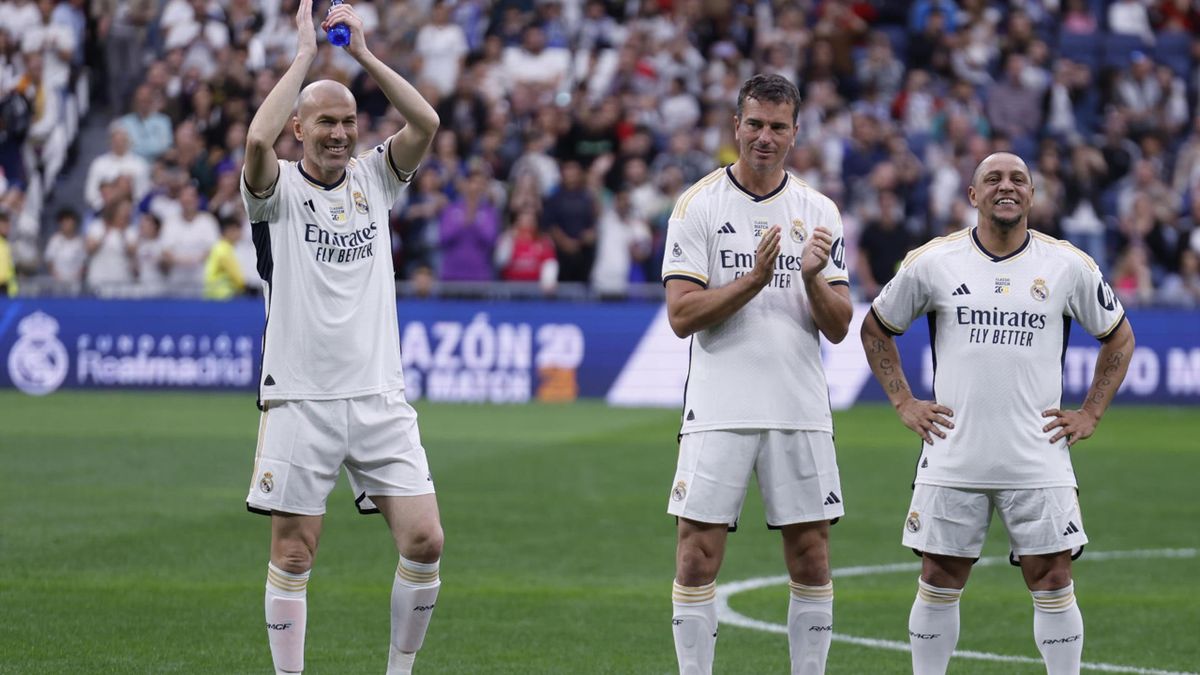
{"points": [[569, 127]]}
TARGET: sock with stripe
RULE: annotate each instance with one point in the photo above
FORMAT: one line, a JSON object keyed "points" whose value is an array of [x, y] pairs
{"points": [[414, 594], [694, 624], [287, 613], [933, 628], [1058, 629], [810, 627]]}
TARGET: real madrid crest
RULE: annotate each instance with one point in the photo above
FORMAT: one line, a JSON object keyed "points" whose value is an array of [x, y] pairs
{"points": [[798, 235], [677, 251], [267, 483], [360, 202], [1039, 291], [679, 491], [914, 522]]}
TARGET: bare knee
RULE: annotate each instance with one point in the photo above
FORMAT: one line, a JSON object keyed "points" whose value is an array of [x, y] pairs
{"points": [[806, 553], [698, 555], [945, 571], [293, 554], [423, 544]]}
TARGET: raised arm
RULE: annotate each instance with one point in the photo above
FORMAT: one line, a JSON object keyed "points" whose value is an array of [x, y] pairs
{"points": [[409, 144], [691, 308], [923, 417], [262, 167]]}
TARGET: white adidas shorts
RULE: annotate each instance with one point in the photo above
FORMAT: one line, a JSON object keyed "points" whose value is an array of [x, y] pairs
{"points": [[797, 474], [954, 521], [302, 446]]}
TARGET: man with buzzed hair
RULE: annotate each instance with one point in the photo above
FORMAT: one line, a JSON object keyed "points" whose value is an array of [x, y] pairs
{"points": [[331, 388], [1000, 299]]}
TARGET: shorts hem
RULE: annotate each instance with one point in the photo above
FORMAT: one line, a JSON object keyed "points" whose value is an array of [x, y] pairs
{"points": [[805, 518], [707, 520], [1056, 548], [953, 553], [266, 510]]}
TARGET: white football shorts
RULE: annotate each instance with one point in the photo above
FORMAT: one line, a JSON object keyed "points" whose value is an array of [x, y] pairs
{"points": [[302, 446], [954, 521], [797, 474]]}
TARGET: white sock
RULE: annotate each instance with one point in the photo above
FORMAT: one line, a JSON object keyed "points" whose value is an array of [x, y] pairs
{"points": [[414, 594], [287, 613], [933, 628], [1058, 630], [810, 627], [694, 624]]}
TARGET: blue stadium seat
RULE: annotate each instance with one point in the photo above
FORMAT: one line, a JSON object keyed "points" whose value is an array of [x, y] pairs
{"points": [[1083, 49], [1118, 49], [1174, 50]]}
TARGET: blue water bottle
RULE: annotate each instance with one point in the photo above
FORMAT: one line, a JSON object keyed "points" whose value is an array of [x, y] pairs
{"points": [[339, 34]]}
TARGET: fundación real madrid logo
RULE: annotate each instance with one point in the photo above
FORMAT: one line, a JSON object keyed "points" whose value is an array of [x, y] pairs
{"points": [[337, 213], [360, 202], [1039, 291], [679, 491], [267, 483], [914, 522], [760, 226], [38, 363]]}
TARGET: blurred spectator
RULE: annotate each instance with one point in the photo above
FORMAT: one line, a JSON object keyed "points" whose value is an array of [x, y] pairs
{"points": [[1078, 18], [8, 271], [1130, 17], [223, 278], [523, 252], [66, 254], [1081, 223], [149, 129], [118, 161], [148, 252], [468, 230], [110, 249], [1178, 16], [1186, 171], [622, 246], [1131, 277], [880, 70], [1012, 107], [882, 244], [417, 225], [1182, 289], [535, 70], [440, 47], [187, 237], [45, 148], [570, 219]]}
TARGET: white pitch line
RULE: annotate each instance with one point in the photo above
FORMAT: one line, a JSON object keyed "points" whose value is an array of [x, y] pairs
{"points": [[727, 615]]}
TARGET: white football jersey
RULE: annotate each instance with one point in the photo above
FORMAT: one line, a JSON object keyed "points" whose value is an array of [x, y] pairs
{"points": [[325, 257], [998, 328], [760, 368]]}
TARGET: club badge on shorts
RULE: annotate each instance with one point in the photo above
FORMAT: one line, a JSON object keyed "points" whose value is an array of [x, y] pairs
{"points": [[266, 483], [680, 491], [914, 522]]}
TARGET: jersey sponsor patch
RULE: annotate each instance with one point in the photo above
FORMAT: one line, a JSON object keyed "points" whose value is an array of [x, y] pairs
{"points": [[1105, 296], [837, 253]]}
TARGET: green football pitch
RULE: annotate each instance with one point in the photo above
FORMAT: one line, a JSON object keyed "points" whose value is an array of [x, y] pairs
{"points": [[125, 547]]}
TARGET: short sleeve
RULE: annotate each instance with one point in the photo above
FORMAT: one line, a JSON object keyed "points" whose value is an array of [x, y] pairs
{"points": [[902, 300], [835, 268], [378, 165], [265, 208], [1092, 302], [686, 254]]}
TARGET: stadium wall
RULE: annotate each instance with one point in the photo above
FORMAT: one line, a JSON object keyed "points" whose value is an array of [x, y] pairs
{"points": [[476, 351]]}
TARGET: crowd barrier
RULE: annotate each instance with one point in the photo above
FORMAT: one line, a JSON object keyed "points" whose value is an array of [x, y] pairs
{"points": [[494, 352]]}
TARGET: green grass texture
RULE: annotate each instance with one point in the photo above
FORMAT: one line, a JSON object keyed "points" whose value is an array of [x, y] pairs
{"points": [[125, 545]]}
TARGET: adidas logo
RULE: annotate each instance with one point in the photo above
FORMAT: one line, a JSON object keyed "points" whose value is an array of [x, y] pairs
{"points": [[962, 290], [691, 416], [1071, 529], [925, 463], [832, 499], [727, 228], [269, 381]]}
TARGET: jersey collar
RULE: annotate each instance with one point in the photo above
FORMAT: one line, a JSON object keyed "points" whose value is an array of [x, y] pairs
{"points": [[751, 195], [994, 258], [324, 186]]}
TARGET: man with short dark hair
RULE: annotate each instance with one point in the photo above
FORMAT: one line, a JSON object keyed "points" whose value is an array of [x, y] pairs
{"points": [[755, 272]]}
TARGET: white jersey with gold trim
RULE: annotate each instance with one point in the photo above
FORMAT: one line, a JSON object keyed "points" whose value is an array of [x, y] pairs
{"points": [[760, 368], [998, 327], [325, 257]]}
